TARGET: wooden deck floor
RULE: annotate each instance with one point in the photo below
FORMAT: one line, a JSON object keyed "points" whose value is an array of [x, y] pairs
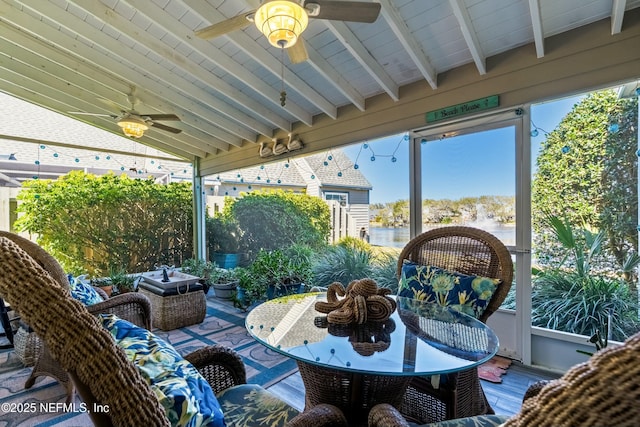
{"points": [[505, 398]]}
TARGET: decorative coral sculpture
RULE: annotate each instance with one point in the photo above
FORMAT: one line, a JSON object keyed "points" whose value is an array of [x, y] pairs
{"points": [[361, 301]]}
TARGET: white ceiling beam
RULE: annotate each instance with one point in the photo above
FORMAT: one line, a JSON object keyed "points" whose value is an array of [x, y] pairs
{"points": [[413, 48], [86, 148], [10, 180], [325, 69], [536, 25], [229, 118], [185, 34], [617, 15], [70, 76], [208, 50], [147, 88], [466, 26], [362, 55], [262, 56], [40, 92]]}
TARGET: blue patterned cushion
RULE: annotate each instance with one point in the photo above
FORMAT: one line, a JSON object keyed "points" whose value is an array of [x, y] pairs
{"points": [[466, 294], [184, 394], [82, 290], [249, 405]]}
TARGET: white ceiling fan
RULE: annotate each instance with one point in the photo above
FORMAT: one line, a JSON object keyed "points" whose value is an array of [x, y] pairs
{"points": [[282, 21], [133, 123]]}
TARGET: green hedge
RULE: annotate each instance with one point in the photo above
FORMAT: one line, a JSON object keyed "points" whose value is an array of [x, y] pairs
{"points": [[93, 224], [278, 219]]}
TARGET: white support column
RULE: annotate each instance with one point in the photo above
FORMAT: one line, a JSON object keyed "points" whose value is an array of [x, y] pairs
{"points": [[523, 233], [415, 187], [199, 208]]}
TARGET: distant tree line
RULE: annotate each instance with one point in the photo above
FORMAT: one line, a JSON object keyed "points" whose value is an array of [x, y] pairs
{"points": [[500, 209]]}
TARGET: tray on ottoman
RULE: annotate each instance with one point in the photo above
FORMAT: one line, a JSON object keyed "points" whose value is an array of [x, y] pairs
{"points": [[169, 279], [177, 307]]}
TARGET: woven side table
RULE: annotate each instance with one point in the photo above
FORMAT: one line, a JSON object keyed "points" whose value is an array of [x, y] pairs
{"points": [[27, 345], [175, 308]]}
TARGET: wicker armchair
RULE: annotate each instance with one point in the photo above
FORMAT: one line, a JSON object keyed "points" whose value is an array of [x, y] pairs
{"points": [[603, 391], [99, 369], [133, 307], [468, 251]]}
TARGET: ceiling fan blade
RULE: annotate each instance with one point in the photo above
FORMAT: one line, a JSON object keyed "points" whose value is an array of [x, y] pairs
{"points": [[298, 52], [165, 127], [161, 116], [110, 103], [223, 27], [81, 113], [354, 11]]}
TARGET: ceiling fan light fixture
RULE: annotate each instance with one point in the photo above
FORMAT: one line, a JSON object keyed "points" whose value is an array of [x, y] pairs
{"points": [[133, 127], [281, 22]]}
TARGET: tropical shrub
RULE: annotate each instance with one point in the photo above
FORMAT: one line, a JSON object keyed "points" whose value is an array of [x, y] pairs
{"points": [[578, 304], [345, 262], [385, 266], [277, 219], [342, 264], [92, 224], [571, 297]]}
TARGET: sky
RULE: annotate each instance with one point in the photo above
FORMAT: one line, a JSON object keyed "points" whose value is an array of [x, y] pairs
{"points": [[469, 165]]}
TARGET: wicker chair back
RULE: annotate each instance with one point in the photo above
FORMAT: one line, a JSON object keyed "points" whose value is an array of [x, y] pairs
{"points": [[470, 251], [465, 250]]}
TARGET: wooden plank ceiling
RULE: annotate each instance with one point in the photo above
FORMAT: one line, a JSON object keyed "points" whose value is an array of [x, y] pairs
{"points": [[88, 55]]}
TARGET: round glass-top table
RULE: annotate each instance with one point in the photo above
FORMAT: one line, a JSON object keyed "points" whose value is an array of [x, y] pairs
{"points": [[357, 366]]}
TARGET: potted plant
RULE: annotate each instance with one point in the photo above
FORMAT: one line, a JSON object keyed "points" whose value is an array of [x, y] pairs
{"points": [[280, 274], [245, 292], [118, 282], [205, 270], [122, 282], [103, 283], [224, 282], [223, 240]]}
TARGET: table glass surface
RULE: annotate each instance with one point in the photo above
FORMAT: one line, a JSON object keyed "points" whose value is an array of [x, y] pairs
{"points": [[418, 339]]}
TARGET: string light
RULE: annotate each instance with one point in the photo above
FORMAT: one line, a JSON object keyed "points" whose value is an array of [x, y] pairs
{"points": [[61, 155], [263, 176], [536, 130], [374, 156]]}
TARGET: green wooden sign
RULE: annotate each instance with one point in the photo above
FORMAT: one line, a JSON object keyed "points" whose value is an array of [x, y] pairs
{"points": [[464, 108]]}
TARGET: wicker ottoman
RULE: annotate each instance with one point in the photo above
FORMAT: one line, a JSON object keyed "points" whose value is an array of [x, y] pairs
{"points": [[175, 308]]}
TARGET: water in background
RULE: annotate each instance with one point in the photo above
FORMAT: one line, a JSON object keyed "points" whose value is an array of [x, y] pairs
{"points": [[398, 237]]}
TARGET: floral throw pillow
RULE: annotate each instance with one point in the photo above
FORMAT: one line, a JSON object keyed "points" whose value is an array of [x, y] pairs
{"points": [[82, 290], [466, 294], [185, 395]]}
